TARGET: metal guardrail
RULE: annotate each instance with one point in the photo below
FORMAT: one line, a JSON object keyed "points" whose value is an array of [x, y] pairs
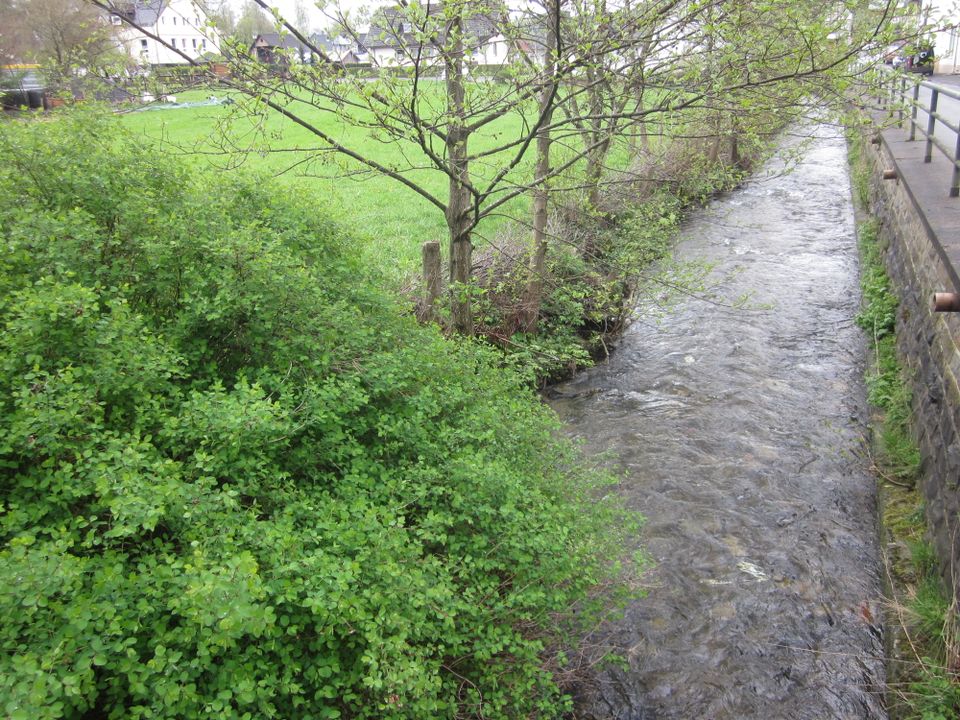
{"points": [[893, 94]]}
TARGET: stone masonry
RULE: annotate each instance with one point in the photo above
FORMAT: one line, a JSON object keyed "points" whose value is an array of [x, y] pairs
{"points": [[928, 345]]}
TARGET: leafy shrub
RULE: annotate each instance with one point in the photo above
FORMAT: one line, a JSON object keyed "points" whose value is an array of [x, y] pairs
{"points": [[238, 483]]}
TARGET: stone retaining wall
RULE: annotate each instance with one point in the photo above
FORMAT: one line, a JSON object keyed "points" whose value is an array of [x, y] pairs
{"points": [[928, 345]]}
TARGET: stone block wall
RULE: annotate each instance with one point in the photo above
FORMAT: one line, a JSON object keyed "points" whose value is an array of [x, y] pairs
{"points": [[928, 345]]}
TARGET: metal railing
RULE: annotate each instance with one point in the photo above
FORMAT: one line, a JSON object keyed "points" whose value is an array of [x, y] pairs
{"points": [[895, 96]]}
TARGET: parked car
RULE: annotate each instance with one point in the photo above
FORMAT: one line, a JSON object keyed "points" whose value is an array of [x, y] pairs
{"points": [[921, 61], [918, 57]]}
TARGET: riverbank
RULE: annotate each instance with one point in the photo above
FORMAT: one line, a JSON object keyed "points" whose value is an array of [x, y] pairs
{"points": [[921, 638], [604, 259]]}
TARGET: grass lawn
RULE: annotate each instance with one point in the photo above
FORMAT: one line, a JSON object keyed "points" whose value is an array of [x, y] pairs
{"points": [[391, 220]]}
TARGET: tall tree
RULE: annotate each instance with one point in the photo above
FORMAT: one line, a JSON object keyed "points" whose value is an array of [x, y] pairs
{"points": [[301, 17], [252, 21], [13, 35], [222, 14], [65, 35]]}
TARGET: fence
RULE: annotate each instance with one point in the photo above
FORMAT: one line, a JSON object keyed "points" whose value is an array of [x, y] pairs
{"points": [[894, 95]]}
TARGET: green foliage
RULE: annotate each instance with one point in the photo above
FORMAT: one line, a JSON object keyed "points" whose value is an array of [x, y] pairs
{"points": [[934, 690], [859, 176], [887, 386], [929, 608], [586, 299], [935, 695], [879, 314], [238, 483]]}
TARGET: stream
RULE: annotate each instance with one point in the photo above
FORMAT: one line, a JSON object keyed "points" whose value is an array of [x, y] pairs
{"points": [[740, 435]]}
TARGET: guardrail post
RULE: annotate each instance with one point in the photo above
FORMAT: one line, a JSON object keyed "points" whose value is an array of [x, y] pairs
{"points": [[913, 111], [891, 94], [931, 124], [955, 182], [901, 94]]}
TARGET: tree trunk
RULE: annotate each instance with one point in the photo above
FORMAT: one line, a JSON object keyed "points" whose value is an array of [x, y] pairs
{"points": [[713, 154], [533, 293], [735, 159], [459, 201], [594, 171]]}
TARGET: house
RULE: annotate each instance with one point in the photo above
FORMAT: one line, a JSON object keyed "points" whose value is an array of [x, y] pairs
{"points": [[339, 48], [396, 39], [945, 19], [281, 49], [278, 49], [181, 24]]}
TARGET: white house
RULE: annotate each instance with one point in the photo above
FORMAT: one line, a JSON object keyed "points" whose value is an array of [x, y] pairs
{"points": [[394, 40], [181, 23], [944, 17], [494, 50], [339, 48]]}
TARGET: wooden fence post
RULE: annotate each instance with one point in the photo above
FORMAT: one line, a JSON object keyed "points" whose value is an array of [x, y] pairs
{"points": [[431, 278]]}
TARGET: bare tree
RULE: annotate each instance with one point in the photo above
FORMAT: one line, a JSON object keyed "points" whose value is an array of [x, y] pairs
{"points": [[601, 71]]}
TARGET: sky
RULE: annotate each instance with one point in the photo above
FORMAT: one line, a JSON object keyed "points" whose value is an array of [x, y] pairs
{"points": [[319, 18], [321, 10]]}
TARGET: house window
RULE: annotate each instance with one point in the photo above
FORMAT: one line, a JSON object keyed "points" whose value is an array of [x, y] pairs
{"points": [[143, 45], [173, 20], [203, 44], [194, 43], [173, 42]]}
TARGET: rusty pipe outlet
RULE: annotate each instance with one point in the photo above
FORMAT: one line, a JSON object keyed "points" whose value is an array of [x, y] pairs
{"points": [[946, 302], [889, 174]]}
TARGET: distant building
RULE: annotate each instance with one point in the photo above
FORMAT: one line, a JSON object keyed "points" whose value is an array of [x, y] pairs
{"points": [[393, 39], [945, 18], [339, 48], [278, 49], [284, 48], [181, 24]]}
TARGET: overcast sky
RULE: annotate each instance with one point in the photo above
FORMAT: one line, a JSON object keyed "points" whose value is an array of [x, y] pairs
{"points": [[322, 10], [319, 18]]}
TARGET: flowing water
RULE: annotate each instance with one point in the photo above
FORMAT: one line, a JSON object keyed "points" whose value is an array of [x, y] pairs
{"points": [[740, 435]]}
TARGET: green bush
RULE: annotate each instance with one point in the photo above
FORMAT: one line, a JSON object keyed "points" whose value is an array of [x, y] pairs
{"points": [[238, 483]]}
